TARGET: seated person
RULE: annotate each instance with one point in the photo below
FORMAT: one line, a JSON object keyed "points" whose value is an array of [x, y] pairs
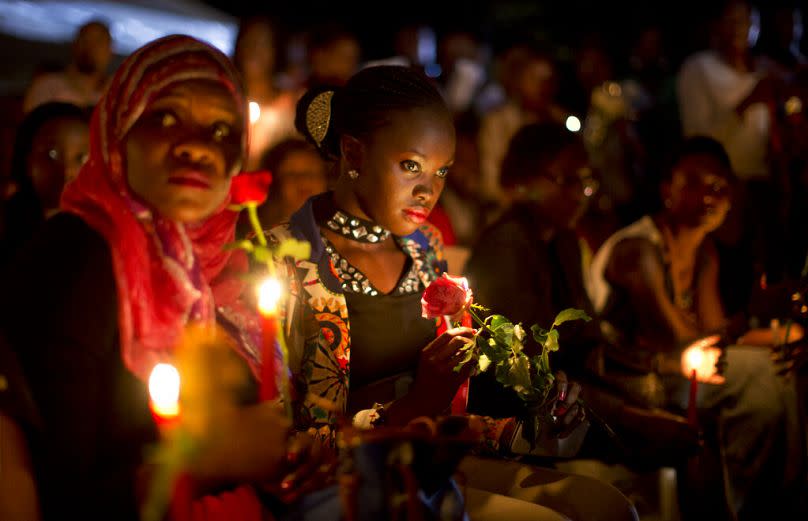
{"points": [[359, 345], [298, 172], [50, 146], [655, 286], [527, 265], [108, 286], [547, 175]]}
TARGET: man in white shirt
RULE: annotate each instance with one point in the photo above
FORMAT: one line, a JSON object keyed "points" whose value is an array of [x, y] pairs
{"points": [[83, 81], [723, 95]]}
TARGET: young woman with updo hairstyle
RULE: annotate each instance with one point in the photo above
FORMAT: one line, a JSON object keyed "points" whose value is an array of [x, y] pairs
{"points": [[110, 285], [359, 346]]}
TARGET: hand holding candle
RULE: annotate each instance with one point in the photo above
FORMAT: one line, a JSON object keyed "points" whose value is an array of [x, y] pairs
{"points": [[702, 358]]}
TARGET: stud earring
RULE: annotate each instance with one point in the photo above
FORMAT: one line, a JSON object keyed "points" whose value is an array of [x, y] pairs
{"points": [[353, 174]]}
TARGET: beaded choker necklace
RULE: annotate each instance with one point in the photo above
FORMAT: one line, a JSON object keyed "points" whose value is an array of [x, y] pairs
{"points": [[355, 228]]}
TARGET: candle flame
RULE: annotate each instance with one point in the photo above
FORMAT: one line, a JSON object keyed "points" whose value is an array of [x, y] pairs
{"points": [[694, 358], [269, 294], [255, 112], [164, 390]]}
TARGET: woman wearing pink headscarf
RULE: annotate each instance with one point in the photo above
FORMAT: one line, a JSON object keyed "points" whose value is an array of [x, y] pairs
{"points": [[109, 286]]}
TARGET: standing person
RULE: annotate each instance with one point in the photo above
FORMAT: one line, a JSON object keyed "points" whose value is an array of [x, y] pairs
{"points": [[333, 54], [272, 110], [83, 81], [109, 285], [51, 145], [531, 83]]}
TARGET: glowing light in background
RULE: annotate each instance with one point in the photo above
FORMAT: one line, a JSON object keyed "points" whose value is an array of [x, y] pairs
{"points": [[573, 124], [132, 24]]}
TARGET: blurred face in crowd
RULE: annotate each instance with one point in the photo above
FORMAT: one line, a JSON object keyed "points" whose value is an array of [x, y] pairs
{"points": [[537, 84], [58, 151], [300, 175], [562, 191], [182, 152], [92, 49], [256, 51], [698, 194], [593, 67], [336, 63], [402, 168], [465, 174], [733, 27]]}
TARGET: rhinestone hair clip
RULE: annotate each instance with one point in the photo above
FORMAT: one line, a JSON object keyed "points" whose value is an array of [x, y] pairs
{"points": [[318, 116]]}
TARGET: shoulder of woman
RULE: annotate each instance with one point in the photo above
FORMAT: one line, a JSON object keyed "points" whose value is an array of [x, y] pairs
{"points": [[65, 241], [63, 278], [633, 256], [429, 236]]}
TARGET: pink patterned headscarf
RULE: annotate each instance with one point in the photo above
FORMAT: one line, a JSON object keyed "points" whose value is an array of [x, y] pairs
{"points": [[167, 273]]}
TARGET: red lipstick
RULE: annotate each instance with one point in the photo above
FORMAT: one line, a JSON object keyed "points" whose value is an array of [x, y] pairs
{"points": [[192, 178], [416, 215]]}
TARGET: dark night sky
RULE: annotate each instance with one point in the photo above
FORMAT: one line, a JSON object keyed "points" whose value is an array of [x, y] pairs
{"points": [[558, 21]]}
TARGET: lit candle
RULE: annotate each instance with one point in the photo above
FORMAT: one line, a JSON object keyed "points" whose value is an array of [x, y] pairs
{"points": [[164, 394], [269, 294], [694, 358], [254, 112], [164, 402]]}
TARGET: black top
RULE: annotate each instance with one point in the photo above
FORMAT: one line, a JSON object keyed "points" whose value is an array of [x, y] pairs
{"points": [[515, 273], [387, 336], [60, 316], [21, 217]]}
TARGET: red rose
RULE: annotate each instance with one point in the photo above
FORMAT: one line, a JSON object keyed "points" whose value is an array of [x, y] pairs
{"points": [[250, 187], [446, 296]]}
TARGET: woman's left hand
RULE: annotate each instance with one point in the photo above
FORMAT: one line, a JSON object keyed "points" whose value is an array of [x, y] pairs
{"points": [[567, 411], [310, 466]]}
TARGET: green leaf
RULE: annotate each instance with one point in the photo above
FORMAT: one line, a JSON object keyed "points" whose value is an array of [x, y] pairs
{"points": [[483, 363], [262, 254], [519, 332], [502, 330], [298, 250], [539, 334], [570, 314], [551, 344], [519, 374]]}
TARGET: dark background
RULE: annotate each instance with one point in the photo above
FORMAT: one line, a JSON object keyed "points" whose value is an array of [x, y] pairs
{"points": [[564, 23]]}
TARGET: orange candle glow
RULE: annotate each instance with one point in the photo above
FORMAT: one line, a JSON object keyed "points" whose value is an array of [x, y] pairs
{"points": [[164, 393], [269, 295]]}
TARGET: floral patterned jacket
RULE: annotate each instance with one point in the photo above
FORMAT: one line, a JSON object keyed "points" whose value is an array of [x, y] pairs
{"points": [[316, 322]]}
